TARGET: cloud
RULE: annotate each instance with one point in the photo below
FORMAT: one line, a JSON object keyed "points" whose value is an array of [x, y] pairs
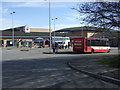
{"points": [[72, 17], [48, 0], [4, 22], [1, 8], [29, 4], [7, 23], [39, 4], [1, 11], [75, 17], [4, 11], [60, 0], [62, 26]]}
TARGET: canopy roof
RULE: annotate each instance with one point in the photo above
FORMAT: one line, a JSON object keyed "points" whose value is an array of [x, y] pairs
{"points": [[85, 28]]}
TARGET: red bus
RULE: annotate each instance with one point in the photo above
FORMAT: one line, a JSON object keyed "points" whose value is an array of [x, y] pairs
{"points": [[84, 44]]}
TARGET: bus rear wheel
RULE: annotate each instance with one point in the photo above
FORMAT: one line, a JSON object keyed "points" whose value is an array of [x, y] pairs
{"points": [[92, 51], [108, 51]]}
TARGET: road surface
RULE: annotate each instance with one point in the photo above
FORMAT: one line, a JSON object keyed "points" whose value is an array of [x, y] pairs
{"points": [[33, 69]]}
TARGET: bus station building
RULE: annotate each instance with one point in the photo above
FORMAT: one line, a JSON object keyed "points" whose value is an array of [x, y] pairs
{"points": [[23, 38]]}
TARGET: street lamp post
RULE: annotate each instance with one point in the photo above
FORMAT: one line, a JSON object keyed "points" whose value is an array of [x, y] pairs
{"points": [[50, 25], [54, 25], [12, 29]]}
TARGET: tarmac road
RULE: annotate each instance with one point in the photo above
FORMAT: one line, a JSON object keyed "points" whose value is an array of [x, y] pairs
{"points": [[33, 69]]}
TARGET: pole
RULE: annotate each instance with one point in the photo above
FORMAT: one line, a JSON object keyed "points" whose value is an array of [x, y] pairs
{"points": [[82, 31], [54, 25], [12, 29], [50, 26]]}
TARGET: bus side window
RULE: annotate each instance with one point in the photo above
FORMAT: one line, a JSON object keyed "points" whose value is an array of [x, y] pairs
{"points": [[98, 42], [92, 42], [103, 43], [95, 42], [107, 43], [88, 42]]}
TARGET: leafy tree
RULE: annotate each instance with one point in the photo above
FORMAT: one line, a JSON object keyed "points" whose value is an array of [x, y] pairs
{"points": [[101, 14]]}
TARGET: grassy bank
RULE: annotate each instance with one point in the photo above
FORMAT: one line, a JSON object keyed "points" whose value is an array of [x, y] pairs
{"points": [[113, 61]]}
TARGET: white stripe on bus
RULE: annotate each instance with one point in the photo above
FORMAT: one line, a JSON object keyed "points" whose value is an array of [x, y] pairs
{"points": [[99, 47]]}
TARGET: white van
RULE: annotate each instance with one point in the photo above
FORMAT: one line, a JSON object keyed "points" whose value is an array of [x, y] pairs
{"points": [[62, 41]]}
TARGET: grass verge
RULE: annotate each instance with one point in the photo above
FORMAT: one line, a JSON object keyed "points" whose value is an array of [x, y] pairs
{"points": [[113, 61]]}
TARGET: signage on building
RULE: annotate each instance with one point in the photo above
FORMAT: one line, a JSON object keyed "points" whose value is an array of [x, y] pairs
{"points": [[27, 29]]}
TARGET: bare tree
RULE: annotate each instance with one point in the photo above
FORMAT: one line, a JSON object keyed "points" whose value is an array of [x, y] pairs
{"points": [[101, 14]]}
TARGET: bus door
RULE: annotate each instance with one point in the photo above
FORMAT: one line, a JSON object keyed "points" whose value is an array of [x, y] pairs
{"points": [[88, 45], [78, 44]]}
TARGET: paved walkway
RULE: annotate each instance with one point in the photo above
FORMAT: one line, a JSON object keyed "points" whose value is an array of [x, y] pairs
{"points": [[96, 70]]}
